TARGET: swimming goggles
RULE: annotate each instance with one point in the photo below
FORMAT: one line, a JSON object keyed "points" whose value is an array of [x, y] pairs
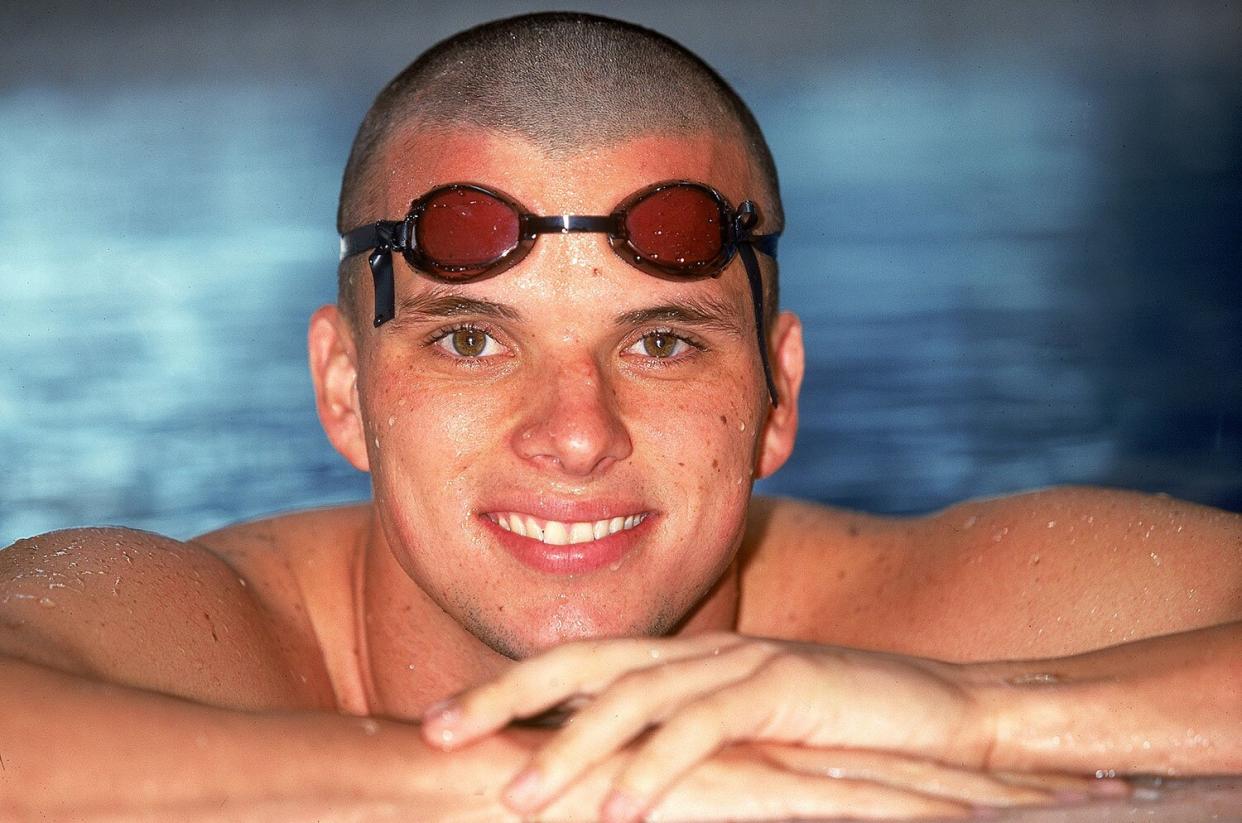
{"points": [[458, 233]]}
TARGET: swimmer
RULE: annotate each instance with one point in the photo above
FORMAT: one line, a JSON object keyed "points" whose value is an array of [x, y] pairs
{"points": [[558, 351]]}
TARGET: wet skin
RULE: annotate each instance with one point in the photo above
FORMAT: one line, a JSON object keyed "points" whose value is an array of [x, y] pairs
{"points": [[569, 409], [566, 397]]}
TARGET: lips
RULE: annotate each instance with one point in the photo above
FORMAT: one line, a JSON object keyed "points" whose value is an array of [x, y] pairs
{"points": [[568, 546]]}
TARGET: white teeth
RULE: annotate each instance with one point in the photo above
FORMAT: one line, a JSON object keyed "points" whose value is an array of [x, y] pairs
{"points": [[556, 533]]}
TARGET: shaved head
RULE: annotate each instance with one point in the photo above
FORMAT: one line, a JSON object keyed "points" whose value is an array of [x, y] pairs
{"points": [[565, 82]]}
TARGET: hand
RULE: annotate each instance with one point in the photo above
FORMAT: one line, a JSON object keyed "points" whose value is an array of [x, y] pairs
{"points": [[703, 692]]}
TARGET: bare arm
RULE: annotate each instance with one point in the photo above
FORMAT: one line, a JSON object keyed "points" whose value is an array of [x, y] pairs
{"points": [[1043, 585], [1164, 705], [1167, 705], [140, 676], [139, 679], [78, 747]]}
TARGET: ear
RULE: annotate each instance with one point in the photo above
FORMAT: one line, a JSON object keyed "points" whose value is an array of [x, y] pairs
{"points": [[334, 371], [787, 364]]}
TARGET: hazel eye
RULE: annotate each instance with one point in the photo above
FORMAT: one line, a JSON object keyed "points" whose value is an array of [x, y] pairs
{"points": [[469, 342], [660, 344]]}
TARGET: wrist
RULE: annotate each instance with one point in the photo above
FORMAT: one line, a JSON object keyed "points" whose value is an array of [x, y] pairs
{"points": [[1034, 718]]}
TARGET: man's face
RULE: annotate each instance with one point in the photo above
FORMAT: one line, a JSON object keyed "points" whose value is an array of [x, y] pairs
{"points": [[617, 415]]}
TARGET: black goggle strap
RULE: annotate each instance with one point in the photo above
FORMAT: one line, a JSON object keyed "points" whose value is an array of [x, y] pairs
{"points": [[743, 221], [751, 263], [384, 237]]}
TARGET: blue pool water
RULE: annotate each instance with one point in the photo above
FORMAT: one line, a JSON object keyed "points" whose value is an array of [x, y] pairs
{"points": [[1017, 257]]}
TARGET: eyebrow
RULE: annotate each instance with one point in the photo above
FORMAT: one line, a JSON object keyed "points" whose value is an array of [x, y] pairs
{"points": [[439, 303], [701, 312]]}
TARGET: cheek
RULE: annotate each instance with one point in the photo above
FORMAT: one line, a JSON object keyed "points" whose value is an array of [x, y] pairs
{"points": [[421, 430], [706, 451]]}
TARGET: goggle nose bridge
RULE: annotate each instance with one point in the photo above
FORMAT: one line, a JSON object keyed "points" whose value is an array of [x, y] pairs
{"points": [[533, 225]]}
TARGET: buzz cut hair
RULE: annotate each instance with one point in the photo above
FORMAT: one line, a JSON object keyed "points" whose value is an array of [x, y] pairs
{"points": [[566, 82]]}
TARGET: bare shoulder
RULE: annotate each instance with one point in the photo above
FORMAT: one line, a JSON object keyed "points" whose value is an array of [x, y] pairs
{"points": [[284, 555], [141, 609], [1181, 561], [1049, 572], [1076, 568]]}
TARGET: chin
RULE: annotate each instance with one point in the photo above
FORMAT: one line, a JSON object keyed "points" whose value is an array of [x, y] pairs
{"points": [[568, 623]]}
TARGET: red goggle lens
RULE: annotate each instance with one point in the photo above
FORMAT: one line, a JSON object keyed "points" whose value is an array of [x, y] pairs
{"points": [[467, 229], [676, 226]]}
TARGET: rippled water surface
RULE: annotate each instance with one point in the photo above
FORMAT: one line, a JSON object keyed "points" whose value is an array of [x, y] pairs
{"points": [[1016, 255]]}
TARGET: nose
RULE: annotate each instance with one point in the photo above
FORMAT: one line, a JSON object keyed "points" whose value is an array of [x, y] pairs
{"points": [[574, 425]]}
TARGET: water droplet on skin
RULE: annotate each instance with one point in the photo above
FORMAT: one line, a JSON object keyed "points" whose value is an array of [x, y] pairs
{"points": [[655, 653], [391, 420], [970, 522], [741, 426], [1155, 558], [614, 566], [47, 602], [1052, 523]]}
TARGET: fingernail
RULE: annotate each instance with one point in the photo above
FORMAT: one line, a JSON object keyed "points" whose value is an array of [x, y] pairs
{"points": [[522, 794], [439, 721], [621, 808], [442, 713]]}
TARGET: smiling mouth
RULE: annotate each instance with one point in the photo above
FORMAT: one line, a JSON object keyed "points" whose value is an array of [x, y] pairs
{"points": [[557, 533]]}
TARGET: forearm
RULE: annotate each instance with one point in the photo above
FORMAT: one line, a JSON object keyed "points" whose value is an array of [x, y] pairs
{"points": [[1165, 705], [72, 746]]}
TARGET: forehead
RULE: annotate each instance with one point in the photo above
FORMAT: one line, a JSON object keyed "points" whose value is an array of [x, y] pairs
{"points": [[591, 181]]}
